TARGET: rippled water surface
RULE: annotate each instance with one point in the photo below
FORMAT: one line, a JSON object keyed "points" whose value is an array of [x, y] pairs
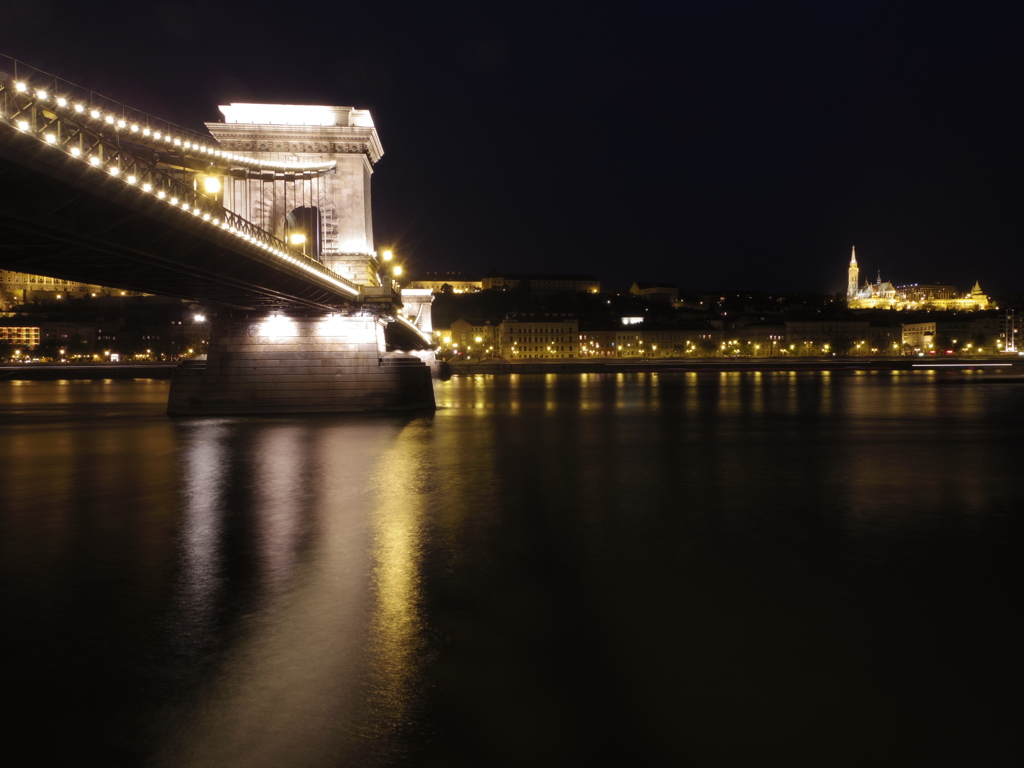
{"points": [[707, 569]]}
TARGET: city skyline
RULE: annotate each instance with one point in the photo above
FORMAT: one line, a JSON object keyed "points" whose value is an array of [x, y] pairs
{"points": [[735, 145]]}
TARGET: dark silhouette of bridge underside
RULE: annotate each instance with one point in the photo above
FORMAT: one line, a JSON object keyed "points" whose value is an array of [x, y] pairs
{"points": [[61, 218]]}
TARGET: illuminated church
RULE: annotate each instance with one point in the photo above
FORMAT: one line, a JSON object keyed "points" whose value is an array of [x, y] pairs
{"points": [[879, 295]]}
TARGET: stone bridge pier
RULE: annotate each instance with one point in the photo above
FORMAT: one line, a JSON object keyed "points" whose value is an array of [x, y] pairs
{"points": [[309, 364]]}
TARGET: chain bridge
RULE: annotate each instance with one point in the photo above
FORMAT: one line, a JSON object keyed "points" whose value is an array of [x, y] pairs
{"points": [[267, 218]]}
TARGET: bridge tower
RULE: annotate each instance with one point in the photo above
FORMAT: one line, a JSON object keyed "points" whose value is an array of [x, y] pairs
{"points": [[303, 361], [333, 212]]}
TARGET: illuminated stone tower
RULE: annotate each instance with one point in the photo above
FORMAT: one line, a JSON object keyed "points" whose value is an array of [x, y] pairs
{"points": [[296, 360], [337, 204], [853, 280]]}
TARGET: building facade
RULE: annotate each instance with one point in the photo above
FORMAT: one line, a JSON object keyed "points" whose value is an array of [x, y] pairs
{"points": [[21, 288], [27, 336], [532, 336], [639, 340], [439, 282], [475, 339], [983, 334]]}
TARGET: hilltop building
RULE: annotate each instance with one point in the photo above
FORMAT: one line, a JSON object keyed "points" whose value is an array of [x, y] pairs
{"points": [[21, 288], [441, 282], [885, 295], [664, 292], [541, 284]]}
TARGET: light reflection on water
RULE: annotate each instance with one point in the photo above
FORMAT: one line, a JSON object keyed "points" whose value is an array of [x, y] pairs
{"points": [[703, 568], [322, 661]]}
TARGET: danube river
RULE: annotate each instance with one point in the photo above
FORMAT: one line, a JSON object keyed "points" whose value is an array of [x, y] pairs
{"points": [[694, 569]]}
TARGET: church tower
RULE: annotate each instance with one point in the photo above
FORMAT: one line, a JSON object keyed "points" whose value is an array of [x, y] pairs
{"points": [[853, 282]]}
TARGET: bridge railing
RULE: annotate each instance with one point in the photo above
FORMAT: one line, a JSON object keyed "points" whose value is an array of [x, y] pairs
{"points": [[136, 126], [31, 112], [12, 70]]}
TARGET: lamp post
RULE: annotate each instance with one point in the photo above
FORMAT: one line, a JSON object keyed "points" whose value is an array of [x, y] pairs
{"points": [[389, 269]]}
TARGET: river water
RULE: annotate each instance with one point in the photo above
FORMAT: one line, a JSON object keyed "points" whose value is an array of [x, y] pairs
{"points": [[701, 569]]}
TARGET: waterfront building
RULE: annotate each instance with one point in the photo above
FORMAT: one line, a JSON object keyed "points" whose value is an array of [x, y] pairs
{"points": [[79, 337], [886, 295], [1009, 332], [528, 336], [475, 338], [27, 336], [840, 336], [823, 336], [983, 334], [627, 339], [760, 339]]}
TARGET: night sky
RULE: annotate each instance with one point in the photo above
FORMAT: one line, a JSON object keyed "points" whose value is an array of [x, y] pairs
{"points": [[713, 145]]}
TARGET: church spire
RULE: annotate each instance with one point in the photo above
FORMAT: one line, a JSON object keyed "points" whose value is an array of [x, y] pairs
{"points": [[853, 277]]}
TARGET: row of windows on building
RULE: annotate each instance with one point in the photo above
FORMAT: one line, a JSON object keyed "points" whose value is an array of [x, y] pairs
{"points": [[18, 278], [21, 335]]}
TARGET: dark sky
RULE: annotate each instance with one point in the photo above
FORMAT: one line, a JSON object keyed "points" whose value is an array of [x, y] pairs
{"points": [[717, 144]]}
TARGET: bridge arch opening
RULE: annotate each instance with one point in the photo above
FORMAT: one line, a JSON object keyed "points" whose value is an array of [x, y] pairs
{"points": [[303, 228]]}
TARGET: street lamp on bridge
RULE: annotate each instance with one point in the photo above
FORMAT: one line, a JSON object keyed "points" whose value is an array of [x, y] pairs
{"points": [[389, 270]]}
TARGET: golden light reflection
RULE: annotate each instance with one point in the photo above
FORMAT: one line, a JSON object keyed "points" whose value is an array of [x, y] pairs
{"points": [[550, 392], [396, 521], [792, 393], [317, 664], [620, 391], [652, 390], [691, 392], [729, 395], [590, 392], [513, 393], [481, 395], [827, 404]]}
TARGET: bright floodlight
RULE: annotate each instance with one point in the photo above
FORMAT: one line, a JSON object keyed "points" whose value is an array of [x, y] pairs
{"points": [[387, 255], [295, 114], [297, 239], [211, 184]]}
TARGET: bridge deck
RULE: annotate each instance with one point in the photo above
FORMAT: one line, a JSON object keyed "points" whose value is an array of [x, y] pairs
{"points": [[62, 218]]}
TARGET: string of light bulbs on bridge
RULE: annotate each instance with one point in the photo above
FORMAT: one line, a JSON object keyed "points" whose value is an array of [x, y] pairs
{"points": [[198, 150], [193, 148]]}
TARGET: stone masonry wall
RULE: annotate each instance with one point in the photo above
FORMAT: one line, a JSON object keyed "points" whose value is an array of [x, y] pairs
{"points": [[294, 365]]}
